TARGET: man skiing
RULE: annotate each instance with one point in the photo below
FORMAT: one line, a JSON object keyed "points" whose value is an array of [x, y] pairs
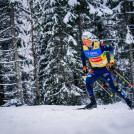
{"points": [[96, 52]]}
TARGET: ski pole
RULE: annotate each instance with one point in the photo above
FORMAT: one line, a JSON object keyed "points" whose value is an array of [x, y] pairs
{"points": [[124, 79], [111, 95]]}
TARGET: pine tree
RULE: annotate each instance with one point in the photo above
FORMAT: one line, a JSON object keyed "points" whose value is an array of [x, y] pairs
{"points": [[23, 28], [8, 73], [58, 78], [47, 44], [22, 48], [128, 9]]}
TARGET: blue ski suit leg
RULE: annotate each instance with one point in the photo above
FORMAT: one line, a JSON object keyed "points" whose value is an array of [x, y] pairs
{"points": [[91, 78], [107, 76]]}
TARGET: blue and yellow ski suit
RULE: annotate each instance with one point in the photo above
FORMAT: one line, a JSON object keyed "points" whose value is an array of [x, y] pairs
{"points": [[97, 57]]}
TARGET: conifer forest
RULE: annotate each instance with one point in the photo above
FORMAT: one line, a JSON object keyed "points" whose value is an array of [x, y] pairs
{"points": [[40, 49]]}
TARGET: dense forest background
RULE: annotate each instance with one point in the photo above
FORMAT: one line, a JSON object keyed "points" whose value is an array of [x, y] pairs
{"points": [[40, 43]]}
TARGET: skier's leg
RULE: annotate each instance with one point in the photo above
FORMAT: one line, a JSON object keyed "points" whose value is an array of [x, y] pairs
{"points": [[112, 83], [91, 78]]}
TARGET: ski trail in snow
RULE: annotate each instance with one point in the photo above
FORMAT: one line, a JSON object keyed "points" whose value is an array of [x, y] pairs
{"points": [[52, 119]]}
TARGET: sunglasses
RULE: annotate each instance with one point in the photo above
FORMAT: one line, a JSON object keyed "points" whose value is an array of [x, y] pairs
{"points": [[86, 40]]}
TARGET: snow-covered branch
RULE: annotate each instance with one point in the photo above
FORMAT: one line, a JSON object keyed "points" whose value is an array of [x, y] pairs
{"points": [[3, 14], [25, 10], [5, 30], [111, 39], [5, 39], [8, 84], [12, 62]]}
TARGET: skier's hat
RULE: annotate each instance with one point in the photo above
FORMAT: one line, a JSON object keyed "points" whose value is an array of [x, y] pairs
{"points": [[87, 35]]}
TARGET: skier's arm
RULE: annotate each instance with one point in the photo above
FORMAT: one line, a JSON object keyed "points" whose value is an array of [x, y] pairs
{"points": [[109, 49], [83, 57]]}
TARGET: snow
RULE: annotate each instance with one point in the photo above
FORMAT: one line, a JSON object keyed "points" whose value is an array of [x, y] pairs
{"points": [[73, 40], [52, 2], [100, 10], [66, 18], [73, 2], [129, 37], [69, 17], [92, 9], [12, 1], [52, 119], [5, 39]]}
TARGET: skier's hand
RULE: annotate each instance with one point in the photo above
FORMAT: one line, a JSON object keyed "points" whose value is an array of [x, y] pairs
{"points": [[85, 69], [111, 66]]}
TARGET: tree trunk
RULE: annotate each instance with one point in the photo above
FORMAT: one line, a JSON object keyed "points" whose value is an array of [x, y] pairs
{"points": [[131, 62], [130, 47], [62, 57], [1, 91], [17, 68], [34, 56], [80, 27], [127, 7]]}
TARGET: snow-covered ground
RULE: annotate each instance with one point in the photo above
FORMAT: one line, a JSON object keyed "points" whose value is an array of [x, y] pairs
{"points": [[108, 119]]}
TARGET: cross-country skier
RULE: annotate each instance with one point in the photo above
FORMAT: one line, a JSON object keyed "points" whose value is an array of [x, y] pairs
{"points": [[96, 52]]}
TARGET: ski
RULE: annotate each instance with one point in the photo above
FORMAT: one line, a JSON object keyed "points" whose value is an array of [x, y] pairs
{"points": [[83, 108]]}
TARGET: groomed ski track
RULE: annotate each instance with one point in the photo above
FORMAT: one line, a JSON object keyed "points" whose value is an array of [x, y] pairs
{"points": [[51, 119]]}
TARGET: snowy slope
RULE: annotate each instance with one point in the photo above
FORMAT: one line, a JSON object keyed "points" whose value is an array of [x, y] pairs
{"points": [[109, 119]]}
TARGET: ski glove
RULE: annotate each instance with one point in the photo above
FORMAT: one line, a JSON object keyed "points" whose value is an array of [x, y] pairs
{"points": [[111, 66], [85, 69]]}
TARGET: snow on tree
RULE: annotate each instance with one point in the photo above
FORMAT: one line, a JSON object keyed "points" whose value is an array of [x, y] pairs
{"points": [[53, 28]]}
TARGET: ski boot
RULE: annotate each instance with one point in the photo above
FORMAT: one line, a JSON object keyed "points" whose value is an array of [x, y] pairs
{"points": [[91, 105], [129, 103]]}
